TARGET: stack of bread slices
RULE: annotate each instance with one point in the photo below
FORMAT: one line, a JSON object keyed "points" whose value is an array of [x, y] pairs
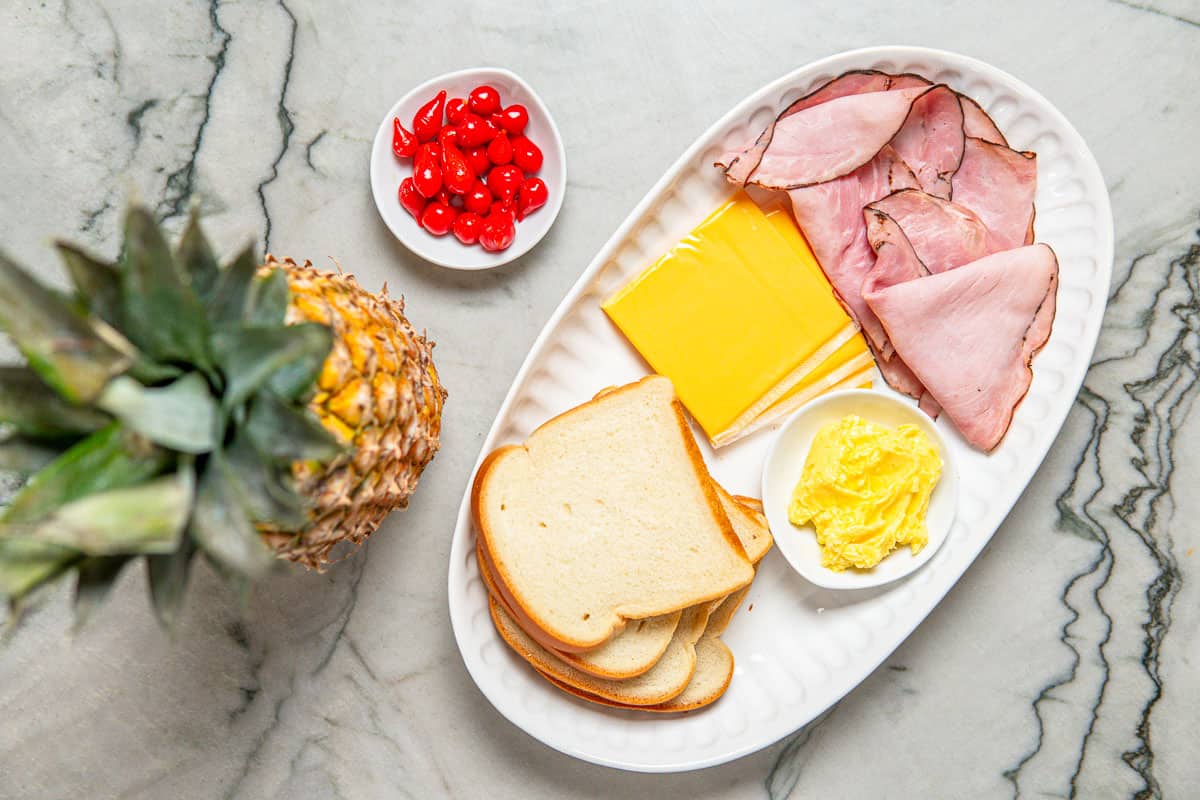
{"points": [[613, 561]]}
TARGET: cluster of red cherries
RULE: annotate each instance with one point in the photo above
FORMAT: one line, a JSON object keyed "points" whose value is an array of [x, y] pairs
{"points": [[472, 168]]}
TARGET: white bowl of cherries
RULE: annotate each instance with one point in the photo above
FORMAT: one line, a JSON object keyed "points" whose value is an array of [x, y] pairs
{"points": [[468, 169]]}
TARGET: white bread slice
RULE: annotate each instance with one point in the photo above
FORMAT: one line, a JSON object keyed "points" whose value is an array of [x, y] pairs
{"points": [[636, 648], [640, 644], [631, 652], [749, 524], [752, 504], [606, 514], [714, 662], [710, 678], [667, 679]]}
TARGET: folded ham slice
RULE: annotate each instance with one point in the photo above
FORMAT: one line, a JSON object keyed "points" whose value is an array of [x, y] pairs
{"points": [[830, 214], [739, 164], [931, 139], [895, 262], [998, 183], [978, 124], [832, 139], [970, 334], [895, 259], [943, 234]]}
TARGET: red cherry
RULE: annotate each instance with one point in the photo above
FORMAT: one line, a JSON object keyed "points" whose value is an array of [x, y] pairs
{"points": [[532, 196], [404, 144], [507, 208], [437, 218], [477, 160], [484, 100], [499, 150], [514, 118], [474, 130], [428, 119], [432, 149], [456, 172], [497, 232], [455, 108], [427, 173], [479, 199], [526, 154], [411, 200], [505, 180], [467, 227]]}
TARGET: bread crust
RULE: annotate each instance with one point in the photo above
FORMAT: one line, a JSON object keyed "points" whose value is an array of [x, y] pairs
{"points": [[528, 617], [571, 659], [544, 665], [668, 707]]}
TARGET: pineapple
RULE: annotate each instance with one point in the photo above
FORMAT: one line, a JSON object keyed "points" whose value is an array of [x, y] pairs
{"points": [[170, 407]]}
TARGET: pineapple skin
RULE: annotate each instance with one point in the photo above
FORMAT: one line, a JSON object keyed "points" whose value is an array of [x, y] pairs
{"points": [[378, 393]]}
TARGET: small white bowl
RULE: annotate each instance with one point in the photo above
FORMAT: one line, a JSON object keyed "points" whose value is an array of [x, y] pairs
{"points": [[785, 463], [387, 171]]}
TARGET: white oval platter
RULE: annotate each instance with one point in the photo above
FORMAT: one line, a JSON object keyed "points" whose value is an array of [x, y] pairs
{"points": [[798, 647]]}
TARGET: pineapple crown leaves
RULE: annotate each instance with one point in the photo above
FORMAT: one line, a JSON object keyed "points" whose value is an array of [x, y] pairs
{"points": [[158, 413]]}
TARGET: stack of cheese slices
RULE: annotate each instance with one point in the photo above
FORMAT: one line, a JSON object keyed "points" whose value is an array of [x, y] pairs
{"points": [[613, 560]]}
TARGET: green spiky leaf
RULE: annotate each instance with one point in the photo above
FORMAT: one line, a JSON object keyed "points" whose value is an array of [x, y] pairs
{"points": [[151, 372], [168, 579], [228, 301], [285, 433], [28, 563], [147, 518], [196, 258], [161, 313], [269, 298], [253, 357], [110, 458], [74, 356], [160, 417], [94, 579], [32, 410], [221, 525], [97, 283], [182, 416], [267, 490]]}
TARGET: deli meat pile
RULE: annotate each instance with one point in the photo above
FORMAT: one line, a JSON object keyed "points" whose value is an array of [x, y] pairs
{"points": [[921, 217]]}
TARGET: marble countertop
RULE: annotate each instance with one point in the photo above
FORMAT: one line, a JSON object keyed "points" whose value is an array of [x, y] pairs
{"points": [[1064, 663]]}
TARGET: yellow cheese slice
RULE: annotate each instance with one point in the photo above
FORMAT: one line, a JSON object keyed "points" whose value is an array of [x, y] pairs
{"points": [[850, 367], [736, 315]]}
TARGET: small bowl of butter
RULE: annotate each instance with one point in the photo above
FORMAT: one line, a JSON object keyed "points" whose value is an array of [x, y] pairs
{"points": [[859, 488]]}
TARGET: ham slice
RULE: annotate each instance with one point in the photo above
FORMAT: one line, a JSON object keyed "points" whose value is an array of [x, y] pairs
{"points": [[943, 234], [978, 124], [832, 139], [895, 262], [998, 184], [830, 214], [931, 139], [895, 259], [970, 334], [738, 165]]}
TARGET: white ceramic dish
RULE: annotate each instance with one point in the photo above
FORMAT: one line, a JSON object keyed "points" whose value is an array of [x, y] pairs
{"points": [[798, 647], [785, 463], [387, 171]]}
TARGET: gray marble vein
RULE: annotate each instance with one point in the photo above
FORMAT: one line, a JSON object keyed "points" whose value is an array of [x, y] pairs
{"points": [[1063, 664]]}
